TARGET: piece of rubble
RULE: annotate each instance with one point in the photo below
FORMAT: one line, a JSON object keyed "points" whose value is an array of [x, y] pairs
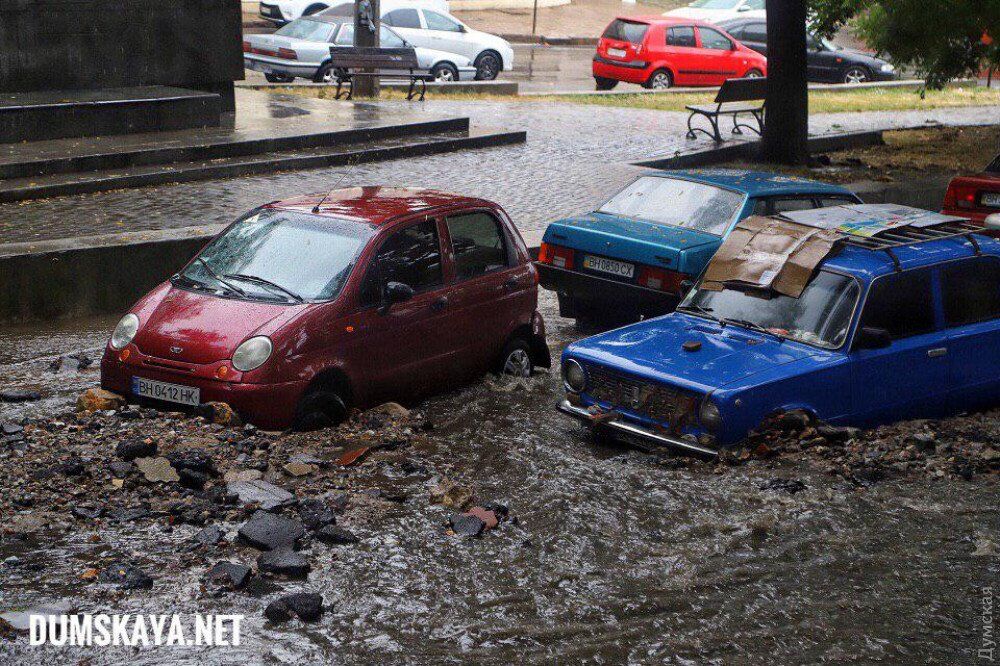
{"points": [[332, 535], [228, 575], [352, 457], [157, 470], [284, 562], [220, 413], [316, 514], [267, 495], [209, 536], [489, 518], [393, 410], [19, 396], [451, 494], [465, 524], [299, 469], [131, 449], [96, 400], [126, 577], [307, 605], [267, 531], [236, 475]]}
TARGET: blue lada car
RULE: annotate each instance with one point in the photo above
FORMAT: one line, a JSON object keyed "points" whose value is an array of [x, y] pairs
{"points": [[637, 254], [877, 335]]}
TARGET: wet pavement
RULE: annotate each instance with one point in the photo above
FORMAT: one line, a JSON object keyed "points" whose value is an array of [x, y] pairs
{"points": [[576, 156], [617, 557]]}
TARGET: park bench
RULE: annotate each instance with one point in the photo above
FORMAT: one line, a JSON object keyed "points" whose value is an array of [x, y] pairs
{"points": [[736, 97], [350, 62]]}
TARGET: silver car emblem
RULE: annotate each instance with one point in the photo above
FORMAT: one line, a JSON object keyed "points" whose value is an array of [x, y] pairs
{"points": [[176, 350]]}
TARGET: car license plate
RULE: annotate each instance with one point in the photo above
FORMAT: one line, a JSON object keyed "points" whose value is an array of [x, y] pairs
{"points": [[619, 268], [991, 199], [616, 53], [149, 388]]}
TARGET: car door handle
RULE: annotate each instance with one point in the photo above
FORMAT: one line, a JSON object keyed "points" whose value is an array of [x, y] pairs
{"points": [[937, 352], [439, 304]]}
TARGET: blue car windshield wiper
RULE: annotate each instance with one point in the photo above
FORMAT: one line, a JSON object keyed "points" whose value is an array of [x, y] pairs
{"points": [[699, 309], [753, 326]]}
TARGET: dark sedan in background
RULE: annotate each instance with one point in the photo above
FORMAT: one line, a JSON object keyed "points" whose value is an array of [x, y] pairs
{"points": [[827, 62]]}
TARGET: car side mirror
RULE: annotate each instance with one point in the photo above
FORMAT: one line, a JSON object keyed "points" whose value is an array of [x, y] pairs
{"points": [[395, 292], [870, 337]]}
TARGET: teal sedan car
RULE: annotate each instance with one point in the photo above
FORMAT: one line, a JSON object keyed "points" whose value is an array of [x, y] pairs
{"points": [[638, 254]]}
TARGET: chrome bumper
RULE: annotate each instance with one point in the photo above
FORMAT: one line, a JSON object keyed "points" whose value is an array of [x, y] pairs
{"points": [[634, 430]]}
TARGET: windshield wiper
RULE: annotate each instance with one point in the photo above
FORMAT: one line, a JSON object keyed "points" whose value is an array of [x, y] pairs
{"points": [[266, 283], [219, 278], [699, 309], [753, 326]]}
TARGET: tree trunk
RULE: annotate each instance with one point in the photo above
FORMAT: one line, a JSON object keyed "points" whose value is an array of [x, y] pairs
{"points": [[366, 86], [785, 139]]}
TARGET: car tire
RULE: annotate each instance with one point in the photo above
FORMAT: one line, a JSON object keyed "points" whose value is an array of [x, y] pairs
{"points": [[754, 74], [319, 408], [444, 72], [488, 65], [661, 79], [856, 74], [314, 9], [515, 359], [605, 84], [324, 74], [278, 78]]}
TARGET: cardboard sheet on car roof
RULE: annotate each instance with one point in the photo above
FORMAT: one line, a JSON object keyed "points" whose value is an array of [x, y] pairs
{"points": [[770, 253]]}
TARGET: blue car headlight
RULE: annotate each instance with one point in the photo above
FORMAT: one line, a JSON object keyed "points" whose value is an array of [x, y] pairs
{"points": [[574, 376], [709, 415]]}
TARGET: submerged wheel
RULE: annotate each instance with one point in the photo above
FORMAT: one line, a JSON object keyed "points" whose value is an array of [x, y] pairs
{"points": [[754, 74], [515, 359], [320, 408]]}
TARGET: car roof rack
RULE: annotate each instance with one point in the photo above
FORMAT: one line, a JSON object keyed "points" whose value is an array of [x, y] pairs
{"points": [[891, 239]]}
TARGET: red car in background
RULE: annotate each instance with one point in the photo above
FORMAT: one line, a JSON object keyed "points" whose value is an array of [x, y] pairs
{"points": [[307, 307], [976, 196], [660, 52]]}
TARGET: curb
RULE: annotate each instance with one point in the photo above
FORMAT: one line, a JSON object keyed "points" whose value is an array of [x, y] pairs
{"points": [[433, 87]]}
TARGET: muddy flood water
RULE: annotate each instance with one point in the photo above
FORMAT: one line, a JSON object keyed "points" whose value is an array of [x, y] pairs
{"points": [[616, 556]]}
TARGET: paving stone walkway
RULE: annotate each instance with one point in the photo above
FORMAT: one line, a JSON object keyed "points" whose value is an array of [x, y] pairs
{"points": [[576, 156]]}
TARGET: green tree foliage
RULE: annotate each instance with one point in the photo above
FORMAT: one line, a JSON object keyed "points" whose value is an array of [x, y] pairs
{"points": [[940, 39]]}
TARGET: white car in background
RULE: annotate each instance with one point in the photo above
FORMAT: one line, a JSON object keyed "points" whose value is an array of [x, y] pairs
{"points": [[714, 11], [301, 49], [284, 11], [423, 24]]}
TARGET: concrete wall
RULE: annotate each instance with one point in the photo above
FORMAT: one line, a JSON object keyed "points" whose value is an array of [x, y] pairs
{"points": [[94, 44]]}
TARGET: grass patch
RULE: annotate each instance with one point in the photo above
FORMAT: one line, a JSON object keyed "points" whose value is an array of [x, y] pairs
{"points": [[820, 101], [910, 154]]}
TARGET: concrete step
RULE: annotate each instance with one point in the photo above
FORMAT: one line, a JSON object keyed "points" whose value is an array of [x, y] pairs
{"points": [[103, 153], [66, 184]]}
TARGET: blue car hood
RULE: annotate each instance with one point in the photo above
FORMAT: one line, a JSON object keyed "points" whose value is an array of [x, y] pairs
{"points": [[648, 243], [653, 349]]}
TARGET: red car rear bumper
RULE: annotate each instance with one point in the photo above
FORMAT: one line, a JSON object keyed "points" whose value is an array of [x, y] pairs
{"points": [[627, 72], [268, 406]]}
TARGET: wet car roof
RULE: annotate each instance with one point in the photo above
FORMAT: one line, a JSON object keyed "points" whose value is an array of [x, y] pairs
{"points": [[375, 204], [868, 263], [756, 183]]}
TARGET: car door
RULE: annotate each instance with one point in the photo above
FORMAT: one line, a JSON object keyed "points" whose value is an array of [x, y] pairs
{"points": [[970, 296], [447, 34], [718, 59], [493, 289], [822, 63], [406, 23], [754, 36], [403, 343], [682, 53], [909, 377]]}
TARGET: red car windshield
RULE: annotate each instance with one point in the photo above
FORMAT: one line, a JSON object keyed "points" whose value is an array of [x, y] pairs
{"points": [[677, 203], [282, 255], [626, 31]]}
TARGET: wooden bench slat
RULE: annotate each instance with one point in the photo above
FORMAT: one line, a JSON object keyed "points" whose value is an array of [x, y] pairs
{"points": [[732, 99]]}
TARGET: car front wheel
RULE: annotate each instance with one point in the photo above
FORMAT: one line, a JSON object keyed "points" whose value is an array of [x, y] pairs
{"points": [[856, 75], [661, 79], [319, 408], [515, 359], [488, 66], [754, 74], [444, 72]]}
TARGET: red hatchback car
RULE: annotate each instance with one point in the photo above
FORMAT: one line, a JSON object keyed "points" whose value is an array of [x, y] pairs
{"points": [[307, 307], [660, 51], [975, 196]]}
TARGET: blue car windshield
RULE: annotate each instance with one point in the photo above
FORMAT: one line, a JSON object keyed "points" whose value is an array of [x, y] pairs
{"points": [[281, 255], [677, 203], [820, 316]]}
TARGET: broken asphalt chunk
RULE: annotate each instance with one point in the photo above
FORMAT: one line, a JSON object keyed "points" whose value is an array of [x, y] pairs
{"points": [[157, 470], [131, 449], [267, 531], [308, 606], [267, 495], [228, 575], [126, 577], [465, 524], [284, 562]]}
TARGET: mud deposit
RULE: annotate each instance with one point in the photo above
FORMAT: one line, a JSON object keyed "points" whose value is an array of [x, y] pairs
{"points": [[607, 555]]}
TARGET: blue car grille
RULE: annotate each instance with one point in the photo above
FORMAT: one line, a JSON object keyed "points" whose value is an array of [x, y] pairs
{"points": [[656, 401]]}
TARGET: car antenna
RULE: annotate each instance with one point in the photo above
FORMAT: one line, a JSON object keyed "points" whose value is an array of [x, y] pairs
{"points": [[350, 166]]}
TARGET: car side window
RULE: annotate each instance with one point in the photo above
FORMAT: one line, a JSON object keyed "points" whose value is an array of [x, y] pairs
{"points": [[388, 38], [755, 32], [901, 303], [437, 21], [479, 244], [681, 36], [403, 18], [971, 291], [411, 256], [713, 39], [825, 202], [788, 204], [345, 36]]}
